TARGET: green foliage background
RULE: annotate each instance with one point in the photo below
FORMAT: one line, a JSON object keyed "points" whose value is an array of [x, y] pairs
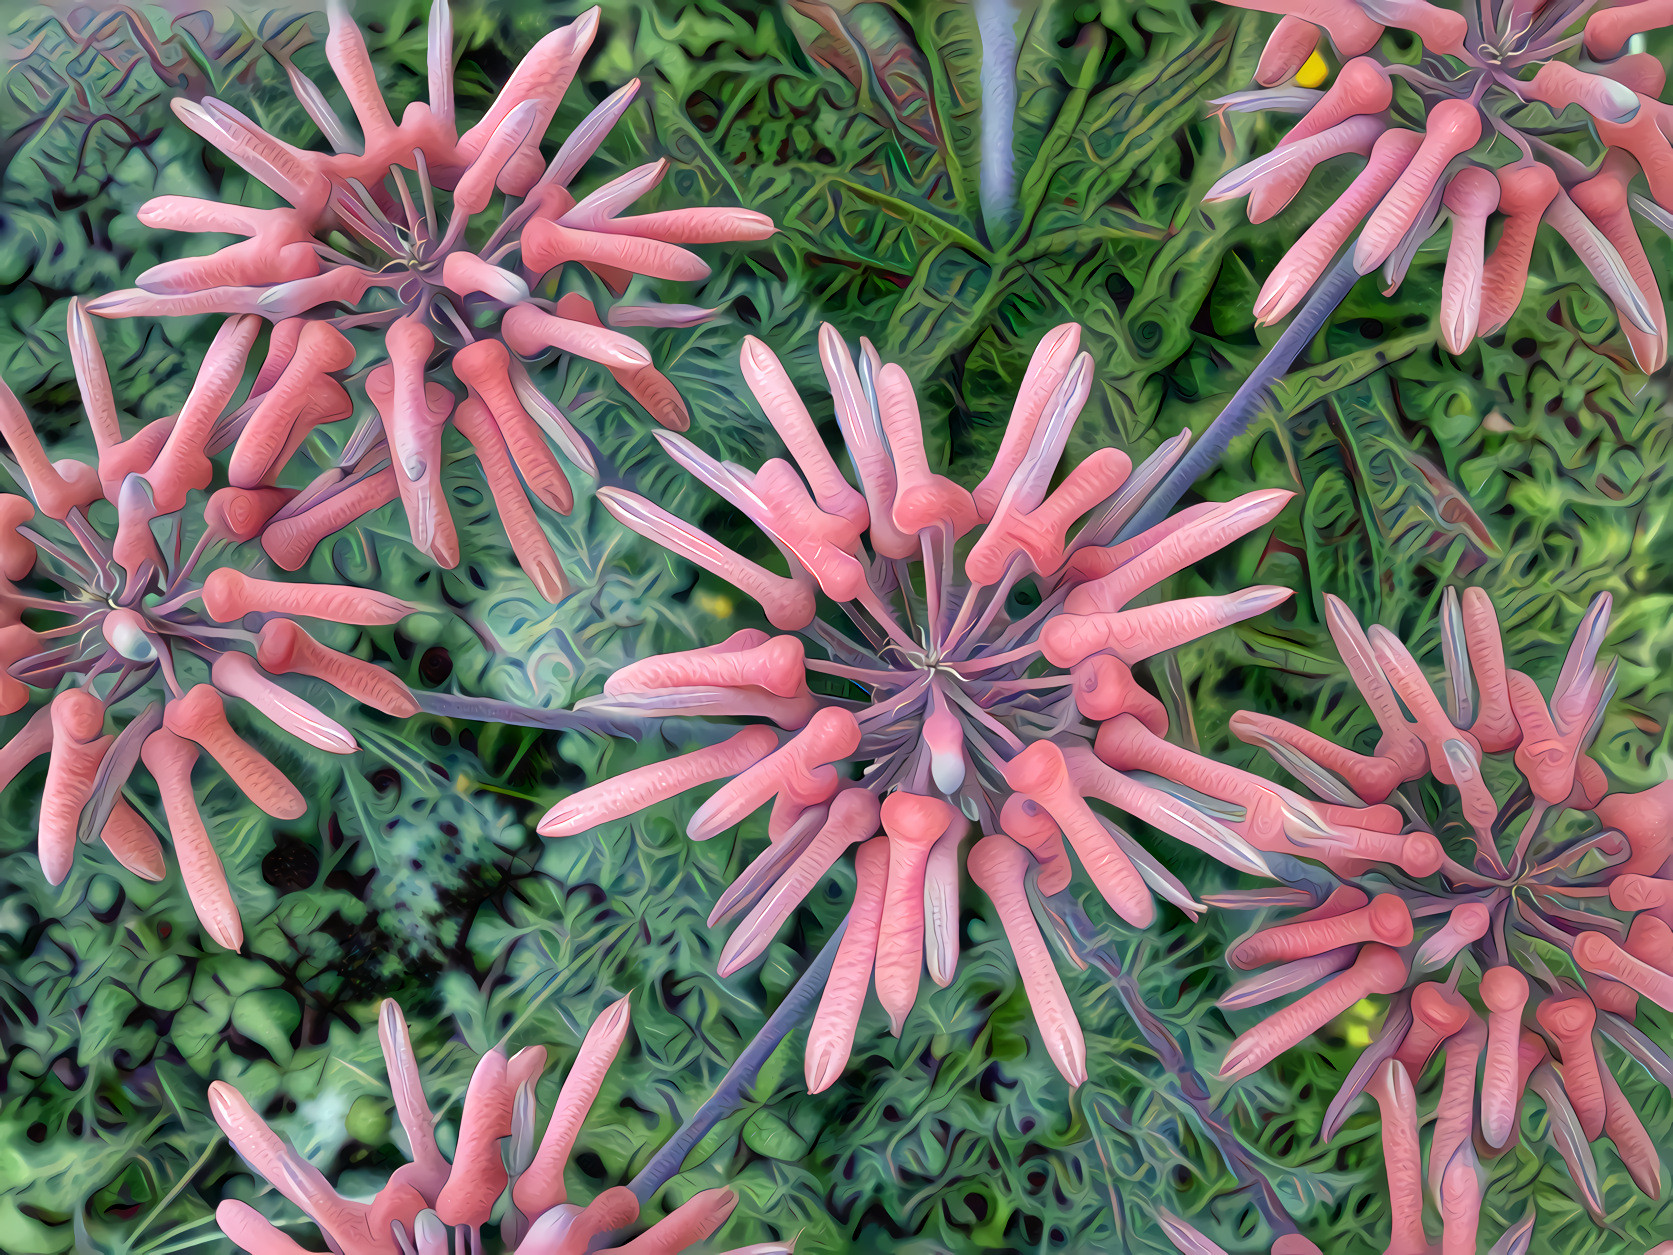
{"points": [[1535, 466]]}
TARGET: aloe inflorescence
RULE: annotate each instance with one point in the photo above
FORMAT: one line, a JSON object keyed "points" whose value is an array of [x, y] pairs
{"points": [[480, 1197], [396, 227], [906, 691], [1495, 119], [144, 626], [1509, 930]]}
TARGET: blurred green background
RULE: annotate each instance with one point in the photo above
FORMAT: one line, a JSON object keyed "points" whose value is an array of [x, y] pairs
{"points": [[1535, 466]]}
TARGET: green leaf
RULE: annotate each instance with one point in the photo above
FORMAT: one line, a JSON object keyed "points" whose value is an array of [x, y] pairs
{"points": [[268, 1017], [766, 1134]]}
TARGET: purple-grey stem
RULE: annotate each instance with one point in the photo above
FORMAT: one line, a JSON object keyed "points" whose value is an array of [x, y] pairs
{"points": [[1250, 399], [1080, 932], [729, 1094]]}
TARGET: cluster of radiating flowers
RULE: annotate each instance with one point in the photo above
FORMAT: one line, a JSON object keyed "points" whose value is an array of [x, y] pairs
{"points": [[952, 702], [150, 636], [434, 1206], [1187, 1239], [1468, 134], [442, 283], [1512, 937]]}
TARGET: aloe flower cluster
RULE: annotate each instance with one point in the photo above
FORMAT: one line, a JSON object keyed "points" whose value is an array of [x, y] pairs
{"points": [[398, 227], [438, 1206], [1510, 935], [900, 655], [143, 634], [1488, 124], [1516, 1240]]}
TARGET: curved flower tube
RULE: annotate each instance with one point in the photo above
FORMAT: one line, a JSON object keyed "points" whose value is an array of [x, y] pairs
{"points": [[441, 296], [438, 1205], [1491, 90], [1458, 945], [936, 706], [155, 646]]}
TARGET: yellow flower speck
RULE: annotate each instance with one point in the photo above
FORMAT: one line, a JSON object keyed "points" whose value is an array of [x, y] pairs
{"points": [[1358, 1021], [714, 604]]}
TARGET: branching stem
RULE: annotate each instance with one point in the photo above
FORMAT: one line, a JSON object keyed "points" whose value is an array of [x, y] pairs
{"points": [[1251, 398]]}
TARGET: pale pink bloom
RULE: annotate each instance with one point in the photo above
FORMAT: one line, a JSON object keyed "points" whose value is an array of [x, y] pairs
{"points": [[1472, 85], [1000, 866], [486, 368], [1456, 1107], [413, 273], [1464, 924], [1384, 918], [800, 770], [633, 791], [1605, 200], [169, 759], [119, 457], [967, 716], [229, 595], [132, 843], [1286, 978], [241, 513], [1608, 30], [644, 383], [1460, 1192], [237, 675], [141, 621], [748, 658], [1272, 181], [1377, 970], [182, 465], [200, 716], [1437, 1013], [913, 823], [522, 526], [302, 397], [56, 487], [1642, 964], [1498, 880], [831, 1037], [1041, 775], [284, 647], [434, 1201], [1645, 135], [1350, 28], [1453, 127], [1623, 1127], [1300, 268], [77, 749], [1472, 194], [1504, 992], [297, 528], [1360, 87], [1402, 1159], [853, 816], [787, 601], [1292, 41], [1273, 818], [17, 552], [1525, 191]]}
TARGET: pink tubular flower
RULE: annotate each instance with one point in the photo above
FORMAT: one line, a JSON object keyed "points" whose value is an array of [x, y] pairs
{"points": [[437, 1206], [150, 644], [934, 706], [1492, 79], [1458, 941], [419, 272]]}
